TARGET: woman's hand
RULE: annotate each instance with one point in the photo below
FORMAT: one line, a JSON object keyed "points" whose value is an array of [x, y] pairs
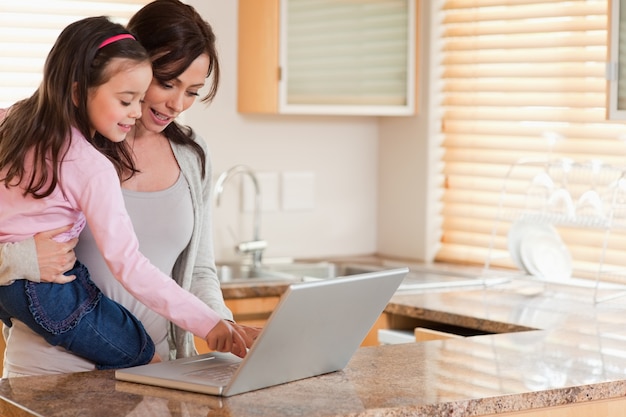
{"points": [[55, 258]]}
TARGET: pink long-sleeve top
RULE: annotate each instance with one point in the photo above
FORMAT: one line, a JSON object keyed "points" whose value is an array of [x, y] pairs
{"points": [[90, 190]]}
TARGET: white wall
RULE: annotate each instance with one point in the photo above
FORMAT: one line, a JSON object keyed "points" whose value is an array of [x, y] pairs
{"points": [[409, 164], [344, 153]]}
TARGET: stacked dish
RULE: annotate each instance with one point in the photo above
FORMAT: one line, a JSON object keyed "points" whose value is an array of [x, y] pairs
{"points": [[538, 249]]}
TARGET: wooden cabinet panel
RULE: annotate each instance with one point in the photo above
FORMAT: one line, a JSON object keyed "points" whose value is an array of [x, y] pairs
{"points": [[423, 334], [264, 80], [246, 311], [602, 408], [372, 337], [257, 56], [616, 76]]}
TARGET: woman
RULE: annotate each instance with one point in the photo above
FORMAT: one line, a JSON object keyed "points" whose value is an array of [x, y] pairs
{"points": [[173, 175]]}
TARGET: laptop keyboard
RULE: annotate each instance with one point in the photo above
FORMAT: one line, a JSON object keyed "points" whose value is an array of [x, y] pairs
{"points": [[217, 374]]}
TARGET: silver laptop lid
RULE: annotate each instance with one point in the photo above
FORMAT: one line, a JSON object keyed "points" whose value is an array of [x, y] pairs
{"points": [[315, 329]]}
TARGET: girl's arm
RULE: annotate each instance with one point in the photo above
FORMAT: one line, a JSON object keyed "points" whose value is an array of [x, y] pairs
{"points": [[93, 183], [37, 259]]}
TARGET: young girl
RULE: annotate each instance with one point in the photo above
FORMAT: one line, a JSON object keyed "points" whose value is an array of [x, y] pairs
{"points": [[54, 174]]}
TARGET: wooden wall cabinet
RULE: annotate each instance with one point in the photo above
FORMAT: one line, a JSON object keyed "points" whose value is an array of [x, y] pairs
{"points": [[616, 65], [322, 81]]}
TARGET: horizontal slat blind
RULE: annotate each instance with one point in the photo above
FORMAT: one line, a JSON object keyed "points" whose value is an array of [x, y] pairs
{"points": [[347, 52], [28, 30], [521, 79]]}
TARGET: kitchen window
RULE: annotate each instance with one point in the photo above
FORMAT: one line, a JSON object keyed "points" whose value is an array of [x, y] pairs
{"points": [[28, 30], [520, 79]]}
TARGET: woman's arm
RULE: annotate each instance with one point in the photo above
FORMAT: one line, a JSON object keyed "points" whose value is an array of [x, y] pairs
{"points": [[195, 269], [38, 259], [204, 281], [18, 261]]}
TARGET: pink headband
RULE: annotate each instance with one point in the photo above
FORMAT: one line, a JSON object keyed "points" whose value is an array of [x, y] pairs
{"points": [[115, 39]]}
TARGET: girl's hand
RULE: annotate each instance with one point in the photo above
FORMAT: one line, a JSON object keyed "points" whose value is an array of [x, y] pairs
{"points": [[224, 338], [248, 333]]}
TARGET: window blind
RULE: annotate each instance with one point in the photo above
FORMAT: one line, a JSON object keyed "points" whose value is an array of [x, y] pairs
{"points": [[28, 30], [521, 79]]}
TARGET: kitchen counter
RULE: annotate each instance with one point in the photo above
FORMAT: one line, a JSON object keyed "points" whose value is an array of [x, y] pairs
{"points": [[552, 346]]}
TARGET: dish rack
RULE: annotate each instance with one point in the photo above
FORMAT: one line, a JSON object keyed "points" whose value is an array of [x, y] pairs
{"points": [[574, 197]]}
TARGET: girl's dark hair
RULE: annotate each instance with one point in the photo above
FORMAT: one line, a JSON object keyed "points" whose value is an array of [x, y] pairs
{"points": [[42, 123], [175, 35]]}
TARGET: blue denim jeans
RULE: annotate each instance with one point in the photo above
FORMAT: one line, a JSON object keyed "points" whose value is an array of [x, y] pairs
{"points": [[78, 317]]}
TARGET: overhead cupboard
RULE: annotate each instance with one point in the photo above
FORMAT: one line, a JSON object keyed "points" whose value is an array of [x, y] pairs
{"points": [[331, 57], [616, 66]]}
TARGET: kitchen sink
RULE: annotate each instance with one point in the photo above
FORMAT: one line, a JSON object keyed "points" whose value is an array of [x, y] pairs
{"points": [[243, 273], [417, 280], [289, 272]]}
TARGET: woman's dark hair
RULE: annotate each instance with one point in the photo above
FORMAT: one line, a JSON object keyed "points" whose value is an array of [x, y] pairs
{"points": [[175, 35], [42, 123]]}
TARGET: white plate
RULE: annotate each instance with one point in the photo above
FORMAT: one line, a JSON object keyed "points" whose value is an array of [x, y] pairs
{"points": [[544, 255], [517, 231], [514, 238]]}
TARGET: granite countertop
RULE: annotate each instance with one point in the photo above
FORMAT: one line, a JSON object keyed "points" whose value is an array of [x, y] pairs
{"points": [[552, 345]]}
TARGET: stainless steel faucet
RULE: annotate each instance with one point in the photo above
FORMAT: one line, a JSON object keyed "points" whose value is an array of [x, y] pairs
{"points": [[256, 246]]}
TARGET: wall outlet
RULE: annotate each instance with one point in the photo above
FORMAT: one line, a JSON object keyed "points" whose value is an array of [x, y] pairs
{"points": [[298, 191]]}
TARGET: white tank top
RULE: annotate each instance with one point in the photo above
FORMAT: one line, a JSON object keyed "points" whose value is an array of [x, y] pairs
{"points": [[163, 221]]}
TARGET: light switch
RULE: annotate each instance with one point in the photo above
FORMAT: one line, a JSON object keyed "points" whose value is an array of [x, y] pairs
{"points": [[298, 191], [269, 186]]}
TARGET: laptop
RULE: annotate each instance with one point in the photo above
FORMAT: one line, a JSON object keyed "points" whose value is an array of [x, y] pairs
{"points": [[315, 329]]}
